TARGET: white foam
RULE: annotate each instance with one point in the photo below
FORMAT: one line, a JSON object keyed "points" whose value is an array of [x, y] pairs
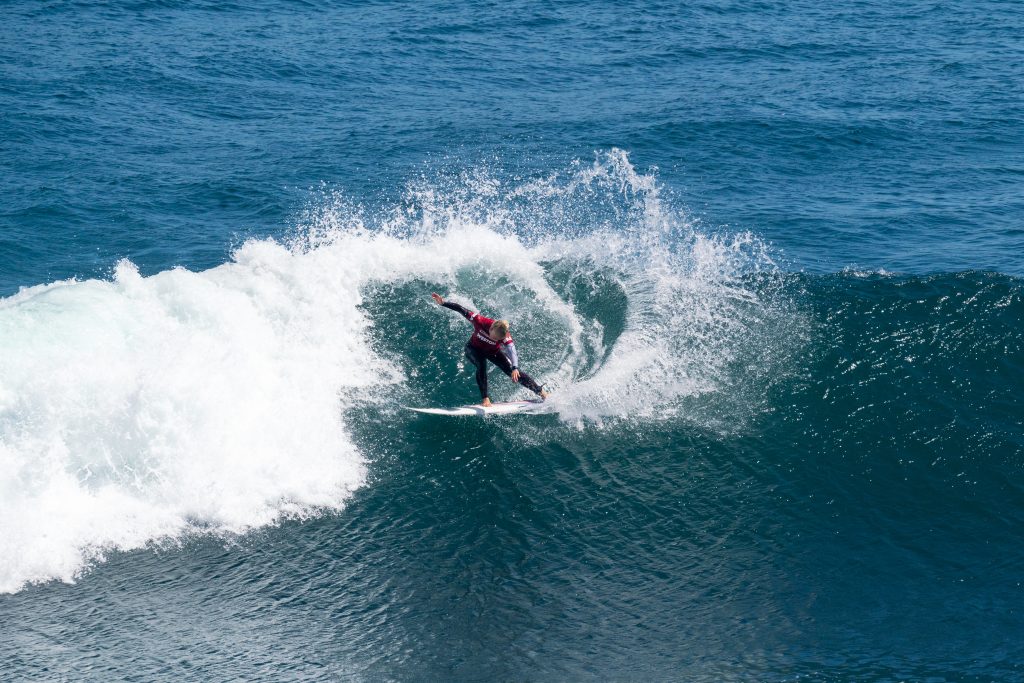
{"points": [[143, 408]]}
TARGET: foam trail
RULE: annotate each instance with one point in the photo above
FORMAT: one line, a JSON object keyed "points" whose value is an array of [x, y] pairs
{"points": [[694, 324]]}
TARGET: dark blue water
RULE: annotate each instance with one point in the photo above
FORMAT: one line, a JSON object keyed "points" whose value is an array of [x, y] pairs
{"points": [[767, 256]]}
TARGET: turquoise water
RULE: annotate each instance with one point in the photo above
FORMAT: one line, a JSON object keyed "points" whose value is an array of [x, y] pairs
{"points": [[767, 257]]}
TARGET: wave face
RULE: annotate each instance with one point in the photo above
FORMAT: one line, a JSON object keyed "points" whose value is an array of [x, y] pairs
{"points": [[719, 426]]}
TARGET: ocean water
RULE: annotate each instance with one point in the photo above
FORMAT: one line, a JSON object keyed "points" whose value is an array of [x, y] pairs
{"points": [[767, 256]]}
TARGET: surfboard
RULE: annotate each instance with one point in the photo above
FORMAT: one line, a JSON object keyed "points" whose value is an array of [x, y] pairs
{"points": [[500, 408]]}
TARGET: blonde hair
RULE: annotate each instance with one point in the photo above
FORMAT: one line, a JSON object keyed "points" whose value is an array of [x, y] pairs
{"points": [[501, 327]]}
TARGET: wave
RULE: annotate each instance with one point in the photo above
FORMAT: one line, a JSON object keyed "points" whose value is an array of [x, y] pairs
{"points": [[138, 411]]}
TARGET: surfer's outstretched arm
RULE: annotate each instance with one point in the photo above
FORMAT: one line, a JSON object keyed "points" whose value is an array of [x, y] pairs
{"points": [[462, 310], [466, 313]]}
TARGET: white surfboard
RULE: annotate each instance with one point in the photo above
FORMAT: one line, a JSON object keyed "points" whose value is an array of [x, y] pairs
{"points": [[502, 408]]}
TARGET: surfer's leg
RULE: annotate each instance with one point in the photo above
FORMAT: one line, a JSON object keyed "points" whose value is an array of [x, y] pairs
{"points": [[502, 362], [478, 359], [529, 383]]}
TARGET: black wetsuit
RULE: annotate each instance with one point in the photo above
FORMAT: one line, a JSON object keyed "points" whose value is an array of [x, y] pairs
{"points": [[481, 348]]}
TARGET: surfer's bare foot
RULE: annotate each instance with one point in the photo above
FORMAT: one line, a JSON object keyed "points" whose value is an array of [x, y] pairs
{"points": [[544, 395], [486, 403]]}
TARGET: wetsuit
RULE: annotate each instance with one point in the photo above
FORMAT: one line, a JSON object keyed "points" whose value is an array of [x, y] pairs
{"points": [[481, 348]]}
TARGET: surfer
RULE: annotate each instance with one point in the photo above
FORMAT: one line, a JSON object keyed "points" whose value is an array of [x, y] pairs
{"points": [[491, 342]]}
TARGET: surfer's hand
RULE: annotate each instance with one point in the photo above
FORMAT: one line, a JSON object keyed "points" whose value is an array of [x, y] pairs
{"points": [[515, 376], [437, 299]]}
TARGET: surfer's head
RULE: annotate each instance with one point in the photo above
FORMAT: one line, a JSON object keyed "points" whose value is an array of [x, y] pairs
{"points": [[499, 330]]}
